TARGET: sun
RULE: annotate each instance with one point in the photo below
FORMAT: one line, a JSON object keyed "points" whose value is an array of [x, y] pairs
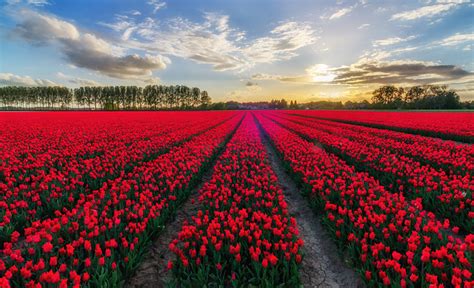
{"points": [[321, 73]]}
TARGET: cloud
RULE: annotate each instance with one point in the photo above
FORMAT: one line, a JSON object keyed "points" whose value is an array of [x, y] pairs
{"points": [[320, 73], [453, 1], [457, 39], [211, 42], [264, 76], [77, 80], [315, 74], [40, 29], [214, 42], [398, 71], [247, 93], [249, 84], [392, 41], [376, 71], [86, 50], [10, 79], [363, 26], [124, 67], [152, 80], [428, 11], [123, 24], [301, 79], [281, 44], [156, 4], [340, 13], [38, 3]]}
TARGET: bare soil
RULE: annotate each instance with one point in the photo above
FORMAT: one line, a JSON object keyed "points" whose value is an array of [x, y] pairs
{"points": [[322, 266], [153, 271]]}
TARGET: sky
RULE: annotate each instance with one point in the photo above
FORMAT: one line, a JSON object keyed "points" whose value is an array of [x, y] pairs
{"points": [[247, 50]]}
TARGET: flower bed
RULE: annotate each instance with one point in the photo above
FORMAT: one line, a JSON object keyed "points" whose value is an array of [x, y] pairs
{"points": [[243, 235]]}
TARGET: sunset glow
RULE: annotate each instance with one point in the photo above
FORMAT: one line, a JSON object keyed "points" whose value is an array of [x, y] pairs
{"points": [[301, 50]]}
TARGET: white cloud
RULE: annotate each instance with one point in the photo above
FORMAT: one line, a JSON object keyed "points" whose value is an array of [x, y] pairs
{"points": [[157, 5], [318, 73], [77, 80], [211, 42], [340, 13], [363, 26], [10, 79], [457, 39], [86, 50], [429, 76], [38, 2], [453, 1], [428, 11], [29, 2], [215, 42], [152, 80], [41, 28], [321, 73], [281, 44], [124, 25], [392, 41]]}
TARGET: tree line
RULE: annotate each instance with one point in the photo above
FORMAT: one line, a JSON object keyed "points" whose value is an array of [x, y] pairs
{"points": [[151, 97], [416, 97], [386, 97], [160, 97]]}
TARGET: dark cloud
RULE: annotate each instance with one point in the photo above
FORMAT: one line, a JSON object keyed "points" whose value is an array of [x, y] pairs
{"points": [[377, 72], [86, 50], [129, 66], [393, 72]]}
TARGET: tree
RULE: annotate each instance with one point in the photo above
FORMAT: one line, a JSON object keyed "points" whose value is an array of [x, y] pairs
{"points": [[108, 97], [413, 95], [195, 97], [388, 96], [205, 99]]}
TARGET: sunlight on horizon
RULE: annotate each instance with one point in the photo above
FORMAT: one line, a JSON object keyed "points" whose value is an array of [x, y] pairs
{"points": [[239, 50]]}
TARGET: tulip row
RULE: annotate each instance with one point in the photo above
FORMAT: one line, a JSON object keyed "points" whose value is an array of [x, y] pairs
{"points": [[446, 125], [243, 236], [101, 239], [452, 157], [86, 136], [36, 186], [449, 196], [389, 240]]}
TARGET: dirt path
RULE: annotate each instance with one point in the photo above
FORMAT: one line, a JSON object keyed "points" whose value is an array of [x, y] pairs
{"points": [[152, 272], [321, 266]]}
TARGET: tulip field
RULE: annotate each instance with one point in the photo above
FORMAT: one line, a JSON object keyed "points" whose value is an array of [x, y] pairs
{"points": [[85, 195]]}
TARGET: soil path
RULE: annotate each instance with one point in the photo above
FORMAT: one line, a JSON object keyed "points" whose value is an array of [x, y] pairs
{"points": [[153, 271], [321, 265]]}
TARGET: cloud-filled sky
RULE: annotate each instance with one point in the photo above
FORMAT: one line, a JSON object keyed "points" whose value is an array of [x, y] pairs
{"points": [[243, 50]]}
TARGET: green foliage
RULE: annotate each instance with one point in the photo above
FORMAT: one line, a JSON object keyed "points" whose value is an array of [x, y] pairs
{"points": [[151, 97], [417, 97]]}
